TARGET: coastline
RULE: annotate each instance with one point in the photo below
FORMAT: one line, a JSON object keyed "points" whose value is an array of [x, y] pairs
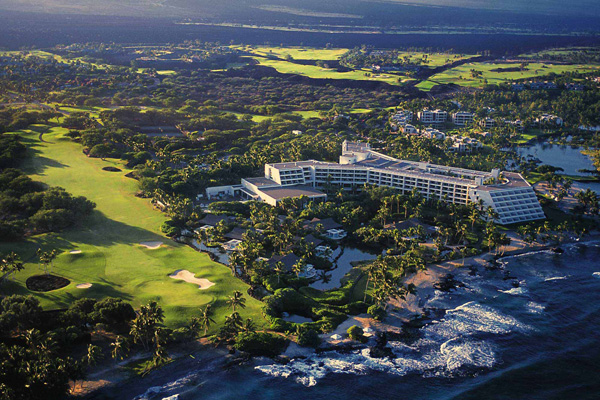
{"points": [[119, 382]]}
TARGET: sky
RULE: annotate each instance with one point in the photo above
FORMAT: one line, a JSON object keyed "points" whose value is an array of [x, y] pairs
{"points": [[321, 9]]}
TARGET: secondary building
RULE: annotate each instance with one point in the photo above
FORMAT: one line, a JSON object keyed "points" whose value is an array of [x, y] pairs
{"points": [[432, 116], [462, 118], [508, 193]]}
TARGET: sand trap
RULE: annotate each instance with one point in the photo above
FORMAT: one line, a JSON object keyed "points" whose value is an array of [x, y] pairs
{"points": [[75, 252], [151, 245], [187, 276], [84, 286]]}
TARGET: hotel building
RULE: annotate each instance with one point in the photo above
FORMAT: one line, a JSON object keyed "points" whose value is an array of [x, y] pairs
{"points": [[507, 193]]}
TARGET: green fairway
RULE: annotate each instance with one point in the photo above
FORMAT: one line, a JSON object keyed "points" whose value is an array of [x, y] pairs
{"points": [[312, 71], [496, 73], [297, 53], [111, 258]]}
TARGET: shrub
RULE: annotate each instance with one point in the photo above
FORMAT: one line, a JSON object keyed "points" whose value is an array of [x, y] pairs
{"points": [[114, 313], [308, 337], [356, 333], [377, 312], [260, 343]]}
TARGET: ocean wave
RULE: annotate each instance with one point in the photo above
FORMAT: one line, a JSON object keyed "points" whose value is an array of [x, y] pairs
{"points": [[555, 278], [535, 308], [596, 274], [444, 349], [518, 291]]}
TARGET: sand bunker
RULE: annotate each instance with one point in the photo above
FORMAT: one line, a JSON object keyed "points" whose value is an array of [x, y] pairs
{"points": [[151, 245], [75, 252], [84, 286], [187, 276]]}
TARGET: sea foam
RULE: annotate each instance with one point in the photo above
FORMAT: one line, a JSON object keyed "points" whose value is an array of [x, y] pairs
{"points": [[443, 349]]}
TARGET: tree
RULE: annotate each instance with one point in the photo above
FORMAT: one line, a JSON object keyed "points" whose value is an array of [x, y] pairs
{"points": [[248, 326], [46, 258], [205, 319], [10, 264], [237, 300], [119, 348], [94, 354]]}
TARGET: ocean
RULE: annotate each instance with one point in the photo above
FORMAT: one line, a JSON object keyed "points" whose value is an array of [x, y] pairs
{"points": [[491, 340]]}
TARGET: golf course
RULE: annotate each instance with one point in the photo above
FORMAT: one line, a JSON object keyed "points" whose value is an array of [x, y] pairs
{"points": [[105, 251]]}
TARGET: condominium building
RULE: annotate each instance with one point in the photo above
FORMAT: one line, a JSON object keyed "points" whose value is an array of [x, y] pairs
{"points": [[402, 117], [487, 123], [507, 193], [462, 118], [432, 116]]}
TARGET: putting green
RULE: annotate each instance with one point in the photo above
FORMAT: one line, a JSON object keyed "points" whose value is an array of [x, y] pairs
{"points": [[111, 257]]}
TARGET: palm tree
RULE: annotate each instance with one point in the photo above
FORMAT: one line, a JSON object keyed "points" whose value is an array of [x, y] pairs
{"points": [[10, 264], [193, 328], [248, 326], [278, 269], [120, 348], [233, 322], [47, 258], [298, 267], [94, 354], [237, 300], [205, 319]]}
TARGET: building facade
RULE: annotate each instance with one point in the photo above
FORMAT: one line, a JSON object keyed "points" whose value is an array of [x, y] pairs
{"points": [[507, 193]]}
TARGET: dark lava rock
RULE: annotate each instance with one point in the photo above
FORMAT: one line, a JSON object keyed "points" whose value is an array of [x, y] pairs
{"points": [[111, 169], [46, 283]]}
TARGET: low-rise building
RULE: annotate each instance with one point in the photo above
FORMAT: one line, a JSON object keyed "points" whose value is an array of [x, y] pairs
{"points": [[462, 118], [487, 123], [434, 134], [432, 116], [409, 129]]}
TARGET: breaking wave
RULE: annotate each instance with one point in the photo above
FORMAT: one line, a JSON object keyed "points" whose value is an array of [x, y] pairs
{"points": [[444, 348]]}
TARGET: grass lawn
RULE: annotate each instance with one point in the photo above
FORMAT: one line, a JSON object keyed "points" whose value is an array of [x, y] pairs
{"points": [[297, 53], [112, 259], [461, 75], [312, 71]]}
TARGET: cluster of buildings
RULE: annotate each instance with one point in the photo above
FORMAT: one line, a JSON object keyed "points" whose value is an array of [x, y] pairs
{"points": [[548, 119], [460, 144], [433, 117], [508, 193]]}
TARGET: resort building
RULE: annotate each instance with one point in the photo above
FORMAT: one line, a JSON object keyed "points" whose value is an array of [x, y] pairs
{"points": [[402, 117], [487, 123], [433, 116], [462, 144], [431, 133], [462, 118], [409, 129], [508, 193]]}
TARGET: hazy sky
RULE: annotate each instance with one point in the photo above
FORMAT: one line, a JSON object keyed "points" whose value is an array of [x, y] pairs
{"points": [[208, 8]]}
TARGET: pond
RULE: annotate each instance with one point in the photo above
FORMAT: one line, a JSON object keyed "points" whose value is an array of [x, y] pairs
{"points": [[569, 158], [343, 257], [223, 258]]}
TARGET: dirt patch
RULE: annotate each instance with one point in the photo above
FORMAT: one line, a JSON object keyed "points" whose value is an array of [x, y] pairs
{"points": [[187, 276], [151, 245], [46, 283], [84, 286], [111, 169]]}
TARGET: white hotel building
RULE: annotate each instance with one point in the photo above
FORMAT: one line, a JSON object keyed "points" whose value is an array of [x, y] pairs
{"points": [[509, 195]]}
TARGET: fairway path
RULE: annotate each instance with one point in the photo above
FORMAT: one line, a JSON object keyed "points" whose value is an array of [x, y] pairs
{"points": [[111, 258]]}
